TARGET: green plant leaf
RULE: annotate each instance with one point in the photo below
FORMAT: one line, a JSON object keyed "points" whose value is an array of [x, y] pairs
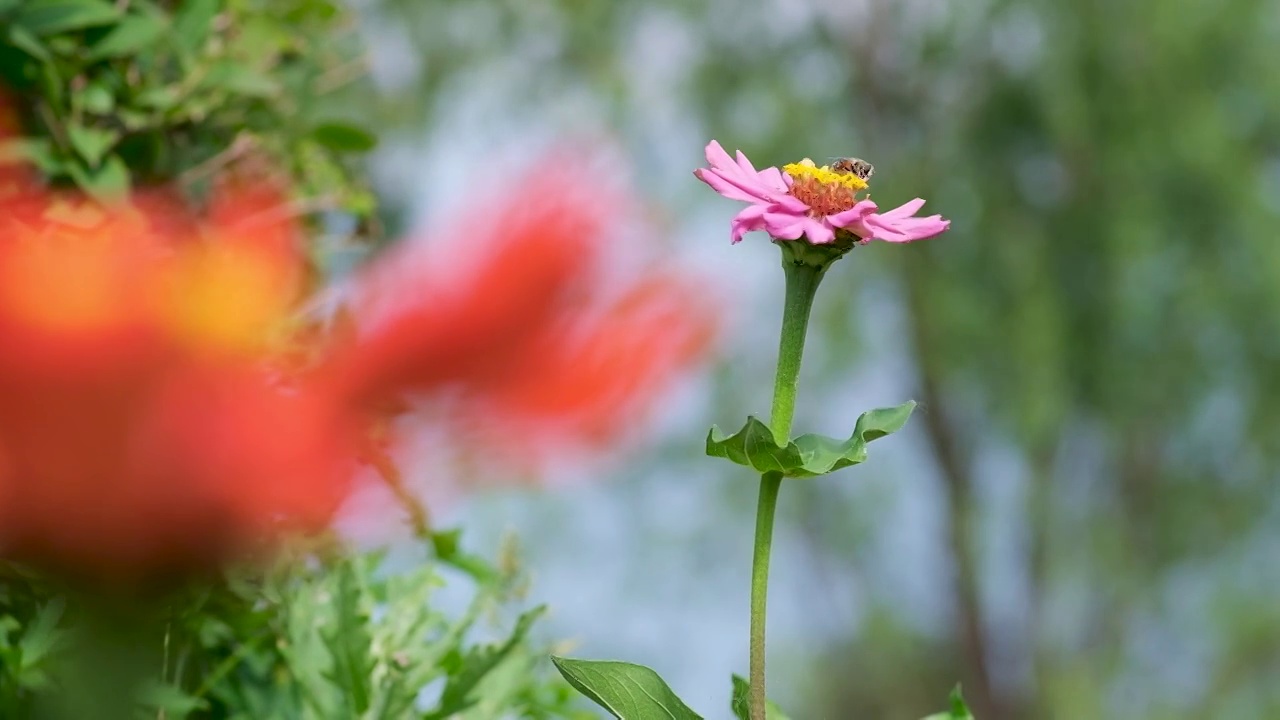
{"points": [[91, 143], [133, 33], [959, 710], [49, 17], [807, 455], [349, 642], [344, 137], [26, 41], [97, 99], [448, 551], [172, 701], [470, 668], [192, 22], [240, 79], [109, 183], [626, 690], [42, 636], [741, 702]]}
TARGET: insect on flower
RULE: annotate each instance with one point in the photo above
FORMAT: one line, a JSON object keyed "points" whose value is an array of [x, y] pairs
{"points": [[854, 166]]}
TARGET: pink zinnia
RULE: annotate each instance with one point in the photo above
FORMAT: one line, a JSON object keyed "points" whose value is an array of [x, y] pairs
{"points": [[805, 200]]}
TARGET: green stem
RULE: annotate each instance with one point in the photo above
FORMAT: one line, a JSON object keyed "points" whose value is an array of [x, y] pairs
{"points": [[802, 284]]}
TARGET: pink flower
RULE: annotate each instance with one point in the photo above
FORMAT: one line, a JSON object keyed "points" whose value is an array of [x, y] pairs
{"points": [[805, 200]]}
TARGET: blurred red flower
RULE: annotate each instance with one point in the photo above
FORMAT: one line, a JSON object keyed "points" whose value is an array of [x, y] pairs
{"points": [[151, 417]]}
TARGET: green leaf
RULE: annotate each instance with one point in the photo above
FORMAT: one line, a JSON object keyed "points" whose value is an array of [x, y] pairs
{"points": [[447, 549], [344, 137], [349, 642], [192, 23], [626, 690], [741, 702], [91, 143], [50, 17], [240, 79], [26, 41], [42, 636], [97, 99], [807, 455], [157, 98], [172, 700], [478, 662], [959, 710], [134, 33], [109, 183]]}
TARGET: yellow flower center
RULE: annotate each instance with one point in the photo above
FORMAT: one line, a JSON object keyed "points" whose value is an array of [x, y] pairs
{"points": [[824, 190]]}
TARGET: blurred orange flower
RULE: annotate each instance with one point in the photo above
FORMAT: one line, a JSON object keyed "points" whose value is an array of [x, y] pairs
{"points": [[139, 424], [151, 417], [525, 320]]}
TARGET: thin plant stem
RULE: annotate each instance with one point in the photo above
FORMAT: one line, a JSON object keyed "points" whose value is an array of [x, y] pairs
{"points": [[802, 283], [419, 520]]}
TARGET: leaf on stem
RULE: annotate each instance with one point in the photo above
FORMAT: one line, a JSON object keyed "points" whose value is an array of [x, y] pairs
{"points": [[807, 455], [626, 690], [959, 710], [741, 702]]}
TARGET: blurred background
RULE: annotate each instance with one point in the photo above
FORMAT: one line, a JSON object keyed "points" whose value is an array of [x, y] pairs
{"points": [[1081, 520]]}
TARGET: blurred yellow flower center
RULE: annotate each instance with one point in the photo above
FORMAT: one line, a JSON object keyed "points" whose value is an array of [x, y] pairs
{"points": [[824, 190], [228, 299]]}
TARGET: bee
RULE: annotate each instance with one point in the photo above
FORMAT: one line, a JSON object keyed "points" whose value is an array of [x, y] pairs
{"points": [[853, 166]]}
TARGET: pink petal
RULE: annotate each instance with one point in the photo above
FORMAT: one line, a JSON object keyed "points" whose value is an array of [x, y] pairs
{"points": [[899, 225], [818, 231], [716, 156], [765, 185], [751, 218], [727, 188], [906, 209], [853, 215], [784, 225]]}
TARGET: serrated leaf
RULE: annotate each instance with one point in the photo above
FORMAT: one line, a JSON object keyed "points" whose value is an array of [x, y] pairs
{"points": [[478, 662], [959, 710], [741, 702], [91, 143], [807, 455], [626, 690], [344, 137], [173, 702], [349, 642], [133, 33], [42, 636], [50, 17]]}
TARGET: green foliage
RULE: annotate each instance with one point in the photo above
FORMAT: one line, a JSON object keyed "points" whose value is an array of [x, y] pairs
{"points": [[116, 95], [626, 690], [28, 651], [740, 703], [341, 636], [31, 636], [807, 455], [958, 711]]}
